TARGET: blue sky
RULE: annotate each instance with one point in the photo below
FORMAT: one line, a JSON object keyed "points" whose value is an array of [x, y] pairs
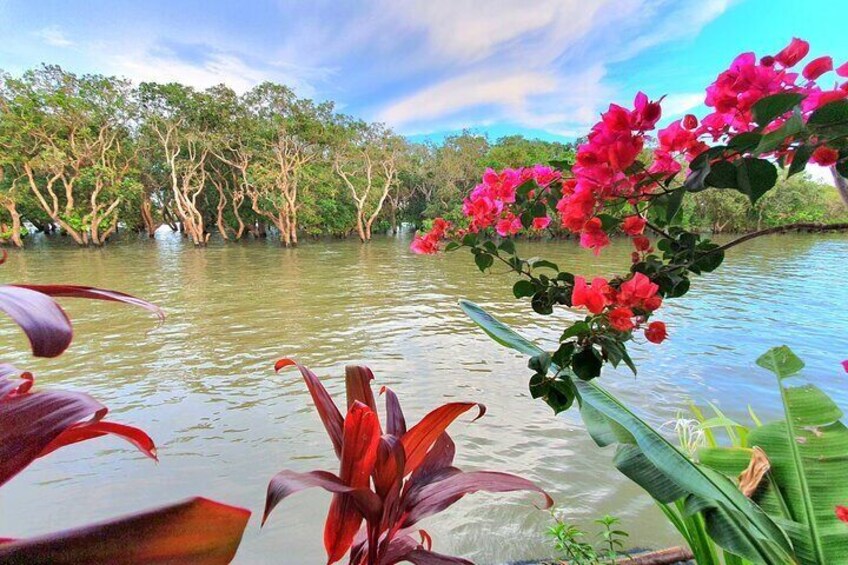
{"points": [[543, 68]]}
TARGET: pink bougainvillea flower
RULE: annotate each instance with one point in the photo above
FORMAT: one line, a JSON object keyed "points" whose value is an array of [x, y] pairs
{"points": [[641, 243], [508, 226], [690, 121], [792, 53], [842, 513], [594, 237], [652, 303], [633, 225], [594, 298], [825, 156], [636, 290], [424, 245], [656, 332], [845, 365], [842, 70], [817, 67], [621, 319], [541, 222]]}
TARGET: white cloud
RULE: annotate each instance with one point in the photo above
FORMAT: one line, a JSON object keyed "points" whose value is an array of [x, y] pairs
{"points": [[539, 67], [676, 104], [54, 36]]}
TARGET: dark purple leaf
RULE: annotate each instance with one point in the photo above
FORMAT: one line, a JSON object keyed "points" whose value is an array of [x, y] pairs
{"points": [[30, 422], [438, 495], [395, 422], [33, 424], [196, 532], [286, 483], [43, 321], [92, 293], [439, 457], [327, 409]]}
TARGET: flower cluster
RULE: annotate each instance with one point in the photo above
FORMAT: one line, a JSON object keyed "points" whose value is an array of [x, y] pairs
{"points": [[762, 113], [625, 308]]}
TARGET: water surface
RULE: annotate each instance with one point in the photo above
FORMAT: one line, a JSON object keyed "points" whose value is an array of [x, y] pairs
{"points": [[203, 386]]}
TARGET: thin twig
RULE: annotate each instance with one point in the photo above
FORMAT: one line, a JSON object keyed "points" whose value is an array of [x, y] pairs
{"points": [[810, 227]]}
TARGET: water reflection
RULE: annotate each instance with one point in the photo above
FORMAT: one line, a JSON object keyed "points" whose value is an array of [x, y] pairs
{"points": [[203, 386]]}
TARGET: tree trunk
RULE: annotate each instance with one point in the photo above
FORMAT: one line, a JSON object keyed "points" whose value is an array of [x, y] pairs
{"points": [[150, 225], [841, 184], [16, 224]]}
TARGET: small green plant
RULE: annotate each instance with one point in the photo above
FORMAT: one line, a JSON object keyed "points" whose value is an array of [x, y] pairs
{"points": [[570, 545], [613, 539]]}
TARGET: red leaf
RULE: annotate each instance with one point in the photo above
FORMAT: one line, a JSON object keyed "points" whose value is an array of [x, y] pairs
{"points": [[93, 429], [197, 531], [358, 385], [439, 457], [74, 291], [30, 422], [327, 409], [33, 424], [418, 440], [43, 321], [286, 483], [395, 422], [13, 380], [438, 495], [359, 455]]}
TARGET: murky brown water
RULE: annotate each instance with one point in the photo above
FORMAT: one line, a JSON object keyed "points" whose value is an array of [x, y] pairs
{"points": [[203, 385]]}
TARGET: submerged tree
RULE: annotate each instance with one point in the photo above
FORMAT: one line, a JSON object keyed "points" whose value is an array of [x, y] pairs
{"points": [[368, 162], [69, 138]]}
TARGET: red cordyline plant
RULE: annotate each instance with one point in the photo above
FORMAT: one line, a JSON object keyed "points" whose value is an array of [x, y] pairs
{"points": [[629, 177], [34, 423], [390, 477]]}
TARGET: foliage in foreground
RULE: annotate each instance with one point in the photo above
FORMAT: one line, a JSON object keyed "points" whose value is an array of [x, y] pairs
{"points": [[390, 477], [798, 519], [569, 542], [35, 422]]}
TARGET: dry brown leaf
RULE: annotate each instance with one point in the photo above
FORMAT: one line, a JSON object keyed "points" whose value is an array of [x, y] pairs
{"points": [[750, 479]]}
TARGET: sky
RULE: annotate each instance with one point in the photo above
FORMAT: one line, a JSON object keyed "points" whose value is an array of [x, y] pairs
{"points": [[427, 68]]}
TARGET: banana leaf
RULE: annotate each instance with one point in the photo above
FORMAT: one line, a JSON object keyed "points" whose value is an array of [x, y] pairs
{"points": [[808, 453], [733, 521]]}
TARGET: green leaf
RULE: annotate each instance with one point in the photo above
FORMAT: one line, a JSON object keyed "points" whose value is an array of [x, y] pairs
{"points": [[842, 167], [452, 246], [755, 177], [574, 330], [662, 470], [722, 175], [536, 263], [830, 114], [675, 201], [523, 289], [771, 107], [745, 141], [800, 158], [774, 139], [586, 364], [508, 246], [781, 361], [484, 261]]}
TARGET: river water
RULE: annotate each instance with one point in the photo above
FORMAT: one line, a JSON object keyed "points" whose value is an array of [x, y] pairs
{"points": [[202, 384]]}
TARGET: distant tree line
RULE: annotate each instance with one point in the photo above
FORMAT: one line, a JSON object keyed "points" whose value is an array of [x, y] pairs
{"points": [[89, 155]]}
